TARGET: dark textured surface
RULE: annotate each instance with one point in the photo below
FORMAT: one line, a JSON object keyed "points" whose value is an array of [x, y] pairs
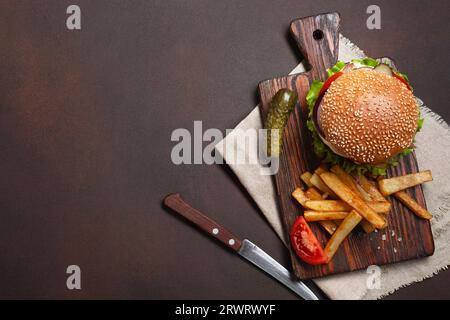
{"points": [[85, 124]]}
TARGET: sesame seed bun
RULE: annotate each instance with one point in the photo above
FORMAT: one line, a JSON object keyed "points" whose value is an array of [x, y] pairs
{"points": [[368, 116]]}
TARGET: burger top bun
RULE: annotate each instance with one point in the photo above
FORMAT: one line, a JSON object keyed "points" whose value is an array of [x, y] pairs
{"points": [[368, 116]]}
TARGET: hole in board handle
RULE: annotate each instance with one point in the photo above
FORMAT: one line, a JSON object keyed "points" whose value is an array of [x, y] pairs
{"points": [[318, 34]]}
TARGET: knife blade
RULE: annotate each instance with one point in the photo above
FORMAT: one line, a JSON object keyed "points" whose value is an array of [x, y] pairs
{"points": [[245, 248], [265, 262]]}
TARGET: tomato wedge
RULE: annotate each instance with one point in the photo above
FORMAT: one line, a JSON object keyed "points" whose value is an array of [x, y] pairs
{"points": [[327, 83], [399, 77], [305, 243]]}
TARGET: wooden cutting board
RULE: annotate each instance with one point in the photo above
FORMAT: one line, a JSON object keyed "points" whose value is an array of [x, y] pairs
{"points": [[407, 237]]}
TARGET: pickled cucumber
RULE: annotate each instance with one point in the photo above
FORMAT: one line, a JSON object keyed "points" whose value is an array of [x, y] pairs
{"points": [[280, 108]]}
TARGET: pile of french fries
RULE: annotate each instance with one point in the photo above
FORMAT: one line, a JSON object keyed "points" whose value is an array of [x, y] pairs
{"points": [[339, 201]]}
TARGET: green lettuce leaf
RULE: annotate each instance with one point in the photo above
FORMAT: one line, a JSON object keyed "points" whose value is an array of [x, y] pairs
{"points": [[336, 68], [367, 62], [420, 123], [313, 94], [324, 152], [404, 76]]}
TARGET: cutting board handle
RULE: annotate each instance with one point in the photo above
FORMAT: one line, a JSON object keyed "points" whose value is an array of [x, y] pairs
{"points": [[177, 204], [318, 40]]}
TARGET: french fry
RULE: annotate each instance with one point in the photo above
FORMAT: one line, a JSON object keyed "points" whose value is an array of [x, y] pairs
{"points": [[327, 205], [306, 178], [408, 201], [370, 188], [367, 226], [320, 169], [324, 215], [300, 196], [393, 185], [344, 229], [379, 206], [339, 205], [352, 199], [350, 181], [329, 226], [313, 194], [354, 186], [345, 178], [319, 184]]}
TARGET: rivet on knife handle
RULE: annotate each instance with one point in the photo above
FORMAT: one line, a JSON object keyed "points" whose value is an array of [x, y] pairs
{"points": [[176, 203]]}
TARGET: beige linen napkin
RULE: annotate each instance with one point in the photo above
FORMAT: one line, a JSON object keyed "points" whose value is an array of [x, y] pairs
{"points": [[433, 152]]}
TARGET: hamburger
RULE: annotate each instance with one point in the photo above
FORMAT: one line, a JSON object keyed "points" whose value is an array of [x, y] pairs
{"points": [[364, 117]]}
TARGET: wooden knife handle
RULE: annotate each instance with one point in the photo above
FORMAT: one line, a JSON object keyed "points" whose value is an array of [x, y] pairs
{"points": [[176, 203]]}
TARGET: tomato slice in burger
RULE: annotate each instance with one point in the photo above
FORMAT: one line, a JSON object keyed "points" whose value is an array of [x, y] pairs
{"points": [[305, 243], [399, 77], [329, 81]]}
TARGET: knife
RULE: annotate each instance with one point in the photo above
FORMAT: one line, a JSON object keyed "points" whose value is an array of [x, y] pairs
{"points": [[245, 248]]}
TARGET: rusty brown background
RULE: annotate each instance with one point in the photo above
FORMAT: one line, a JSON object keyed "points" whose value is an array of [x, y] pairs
{"points": [[85, 124]]}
